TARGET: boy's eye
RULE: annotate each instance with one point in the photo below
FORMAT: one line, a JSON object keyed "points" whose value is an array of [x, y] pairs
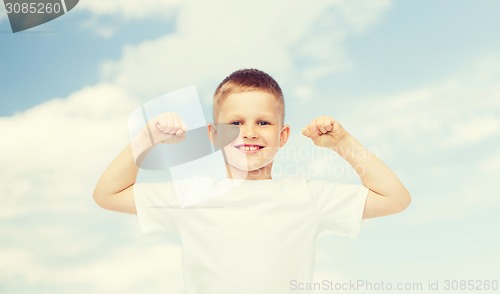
{"points": [[260, 123]]}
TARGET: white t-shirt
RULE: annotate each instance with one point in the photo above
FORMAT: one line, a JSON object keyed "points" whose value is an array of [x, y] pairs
{"points": [[255, 238]]}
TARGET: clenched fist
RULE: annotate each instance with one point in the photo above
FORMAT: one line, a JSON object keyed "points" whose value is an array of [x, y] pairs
{"points": [[324, 131], [166, 128]]}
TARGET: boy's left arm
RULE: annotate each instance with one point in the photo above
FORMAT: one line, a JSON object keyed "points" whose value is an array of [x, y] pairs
{"points": [[387, 194]]}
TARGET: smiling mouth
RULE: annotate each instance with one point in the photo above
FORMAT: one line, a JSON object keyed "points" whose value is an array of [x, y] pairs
{"points": [[248, 147]]}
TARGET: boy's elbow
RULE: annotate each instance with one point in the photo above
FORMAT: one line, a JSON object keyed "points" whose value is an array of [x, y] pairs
{"points": [[120, 202], [99, 199], [404, 201]]}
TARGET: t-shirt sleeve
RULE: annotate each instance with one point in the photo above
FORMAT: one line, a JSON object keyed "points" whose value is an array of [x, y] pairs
{"points": [[156, 207], [340, 206]]}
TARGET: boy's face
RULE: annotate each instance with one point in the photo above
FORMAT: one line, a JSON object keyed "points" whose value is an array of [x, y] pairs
{"points": [[258, 116]]}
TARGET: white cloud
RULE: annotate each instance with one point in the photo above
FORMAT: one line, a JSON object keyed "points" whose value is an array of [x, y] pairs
{"points": [[445, 134], [491, 164], [64, 141], [102, 30], [473, 130], [129, 9], [447, 115], [124, 270], [213, 40], [108, 16], [304, 93], [132, 271], [361, 14], [3, 13]]}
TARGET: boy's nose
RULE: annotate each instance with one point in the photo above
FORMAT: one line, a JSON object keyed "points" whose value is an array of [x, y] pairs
{"points": [[248, 132]]}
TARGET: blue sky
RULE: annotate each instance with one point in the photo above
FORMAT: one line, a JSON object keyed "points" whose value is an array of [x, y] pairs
{"points": [[417, 82]]}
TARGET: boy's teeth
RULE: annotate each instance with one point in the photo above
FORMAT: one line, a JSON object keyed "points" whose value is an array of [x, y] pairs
{"points": [[249, 148]]}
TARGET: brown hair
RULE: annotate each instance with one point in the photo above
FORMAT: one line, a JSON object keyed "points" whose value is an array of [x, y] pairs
{"points": [[248, 80]]}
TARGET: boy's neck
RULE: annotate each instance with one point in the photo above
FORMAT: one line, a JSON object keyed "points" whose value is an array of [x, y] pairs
{"points": [[263, 173]]}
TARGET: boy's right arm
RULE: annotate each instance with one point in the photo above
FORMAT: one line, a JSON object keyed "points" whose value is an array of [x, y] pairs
{"points": [[114, 190]]}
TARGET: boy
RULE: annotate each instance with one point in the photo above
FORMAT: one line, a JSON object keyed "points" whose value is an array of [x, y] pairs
{"points": [[260, 235]]}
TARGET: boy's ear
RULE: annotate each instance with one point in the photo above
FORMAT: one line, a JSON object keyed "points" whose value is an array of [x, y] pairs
{"points": [[212, 134], [285, 133]]}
